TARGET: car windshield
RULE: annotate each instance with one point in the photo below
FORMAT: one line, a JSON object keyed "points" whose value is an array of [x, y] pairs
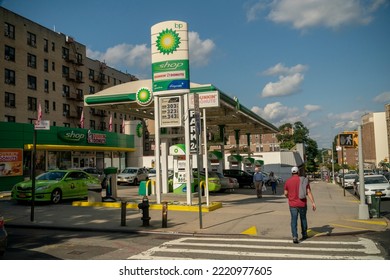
{"points": [[375, 180], [350, 177], [129, 170], [51, 176]]}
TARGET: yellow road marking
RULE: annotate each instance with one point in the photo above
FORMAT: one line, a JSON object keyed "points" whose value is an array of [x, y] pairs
{"points": [[250, 231]]}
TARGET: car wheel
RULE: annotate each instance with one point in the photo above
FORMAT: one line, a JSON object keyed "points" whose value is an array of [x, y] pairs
{"points": [[56, 196]]}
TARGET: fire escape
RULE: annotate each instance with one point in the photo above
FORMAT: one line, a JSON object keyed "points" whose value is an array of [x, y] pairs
{"points": [[75, 96], [101, 81]]}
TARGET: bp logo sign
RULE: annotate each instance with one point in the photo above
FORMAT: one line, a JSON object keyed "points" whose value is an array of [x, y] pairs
{"points": [[144, 96], [139, 130], [167, 41]]}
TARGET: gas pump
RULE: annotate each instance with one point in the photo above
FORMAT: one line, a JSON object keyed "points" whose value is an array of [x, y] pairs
{"points": [[249, 165], [215, 159], [259, 164], [178, 153], [235, 162]]}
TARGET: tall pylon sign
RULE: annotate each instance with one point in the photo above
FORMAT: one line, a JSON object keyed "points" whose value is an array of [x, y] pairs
{"points": [[170, 63]]}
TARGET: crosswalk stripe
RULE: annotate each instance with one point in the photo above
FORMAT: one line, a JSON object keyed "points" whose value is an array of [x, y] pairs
{"points": [[361, 249]]}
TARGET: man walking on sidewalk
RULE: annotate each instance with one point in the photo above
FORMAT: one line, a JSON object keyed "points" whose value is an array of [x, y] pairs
{"points": [[296, 189], [258, 182]]}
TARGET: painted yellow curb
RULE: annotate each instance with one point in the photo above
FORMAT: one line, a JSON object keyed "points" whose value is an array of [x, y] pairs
{"points": [[132, 205], [371, 222]]}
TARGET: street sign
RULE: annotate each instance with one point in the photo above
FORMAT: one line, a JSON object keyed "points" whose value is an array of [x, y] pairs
{"points": [[42, 125], [346, 140]]}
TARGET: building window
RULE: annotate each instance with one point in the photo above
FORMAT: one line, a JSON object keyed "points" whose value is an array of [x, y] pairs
{"points": [[79, 76], [54, 105], [65, 90], [47, 109], [9, 99], [92, 124], [9, 30], [91, 89], [80, 94], [31, 60], [66, 124], [31, 103], [9, 53], [10, 118], [45, 45], [31, 39], [91, 74], [79, 58], [65, 71], [102, 126], [53, 86], [46, 86], [65, 110], [9, 77], [53, 46], [53, 66], [65, 53], [46, 65], [32, 82]]}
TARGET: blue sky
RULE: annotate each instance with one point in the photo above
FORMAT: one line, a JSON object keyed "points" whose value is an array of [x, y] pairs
{"points": [[322, 62]]}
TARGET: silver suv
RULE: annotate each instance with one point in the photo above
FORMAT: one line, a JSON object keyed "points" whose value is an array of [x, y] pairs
{"points": [[132, 175]]}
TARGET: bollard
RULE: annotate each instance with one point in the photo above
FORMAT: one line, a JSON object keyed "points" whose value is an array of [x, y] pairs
{"points": [[144, 206], [165, 214], [123, 213]]}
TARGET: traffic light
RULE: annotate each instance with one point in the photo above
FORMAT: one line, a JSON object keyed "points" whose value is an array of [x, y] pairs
{"points": [[346, 140]]}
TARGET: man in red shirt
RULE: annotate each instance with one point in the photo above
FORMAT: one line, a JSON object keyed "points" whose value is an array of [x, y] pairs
{"points": [[296, 189]]}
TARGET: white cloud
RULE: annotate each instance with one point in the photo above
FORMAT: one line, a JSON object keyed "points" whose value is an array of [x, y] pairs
{"points": [[304, 14], [277, 113], [312, 108], [383, 97], [200, 51], [123, 56], [286, 85], [280, 69]]}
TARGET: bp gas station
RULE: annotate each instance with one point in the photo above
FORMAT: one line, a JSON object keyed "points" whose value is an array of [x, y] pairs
{"points": [[173, 101]]}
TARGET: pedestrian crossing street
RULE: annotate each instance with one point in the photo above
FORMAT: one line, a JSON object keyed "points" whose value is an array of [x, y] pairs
{"points": [[190, 248]]}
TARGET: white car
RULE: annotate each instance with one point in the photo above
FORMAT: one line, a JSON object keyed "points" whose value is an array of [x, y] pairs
{"points": [[374, 184], [349, 180], [227, 183], [132, 175]]}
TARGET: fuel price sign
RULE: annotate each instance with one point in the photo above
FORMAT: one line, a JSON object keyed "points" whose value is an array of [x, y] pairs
{"points": [[171, 111]]}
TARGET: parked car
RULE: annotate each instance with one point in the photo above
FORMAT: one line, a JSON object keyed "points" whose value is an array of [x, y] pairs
{"points": [[94, 172], [349, 180], [244, 178], [373, 184], [3, 237], [227, 183], [151, 173], [55, 185], [132, 175]]}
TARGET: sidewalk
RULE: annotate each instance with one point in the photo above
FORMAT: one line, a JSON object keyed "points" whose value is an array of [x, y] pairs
{"points": [[236, 213]]}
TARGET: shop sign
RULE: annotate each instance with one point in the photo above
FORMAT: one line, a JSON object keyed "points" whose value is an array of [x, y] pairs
{"points": [[96, 138], [11, 162], [71, 136]]}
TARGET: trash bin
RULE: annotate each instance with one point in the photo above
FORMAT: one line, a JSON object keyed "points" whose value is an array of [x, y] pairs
{"points": [[94, 193], [143, 185], [374, 204]]}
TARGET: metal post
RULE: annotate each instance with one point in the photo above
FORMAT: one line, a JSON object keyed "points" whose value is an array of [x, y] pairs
{"points": [[333, 181], [363, 207], [123, 213], [165, 214], [33, 156], [342, 166]]}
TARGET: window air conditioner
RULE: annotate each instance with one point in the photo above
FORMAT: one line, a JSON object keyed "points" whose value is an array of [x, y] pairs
{"points": [[7, 81], [7, 57]]}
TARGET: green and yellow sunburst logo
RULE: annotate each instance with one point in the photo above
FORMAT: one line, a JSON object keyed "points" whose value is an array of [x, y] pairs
{"points": [[144, 96], [168, 41], [139, 130]]}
